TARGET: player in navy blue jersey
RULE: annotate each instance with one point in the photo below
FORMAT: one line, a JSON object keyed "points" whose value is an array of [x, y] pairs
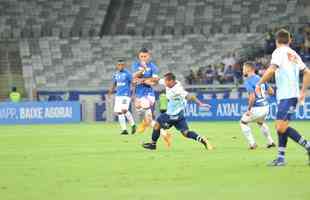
{"points": [[258, 107], [122, 81]]}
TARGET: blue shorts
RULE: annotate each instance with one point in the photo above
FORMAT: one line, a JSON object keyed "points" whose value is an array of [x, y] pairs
{"points": [[178, 121], [286, 109]]}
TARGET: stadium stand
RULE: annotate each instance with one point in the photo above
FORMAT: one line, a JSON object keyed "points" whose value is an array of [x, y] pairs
{"points": [[75, 62], [36, 18], [213, 16]]}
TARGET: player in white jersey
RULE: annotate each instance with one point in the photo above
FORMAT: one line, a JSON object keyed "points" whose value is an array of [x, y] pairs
{"points": [[286, 65], [258, 107], [174, 116]]}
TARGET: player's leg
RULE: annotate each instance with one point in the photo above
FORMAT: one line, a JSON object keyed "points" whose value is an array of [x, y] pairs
{"points": [[261, 113], [128, 115], [182, 126], [120, 115], [246, 130], [285, 111], [266, 132], [161, 121], [145, 105]]}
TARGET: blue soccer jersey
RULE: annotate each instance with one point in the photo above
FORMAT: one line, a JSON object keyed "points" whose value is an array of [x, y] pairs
{"points": [[250, 85], [143, 90], [122, 80]]}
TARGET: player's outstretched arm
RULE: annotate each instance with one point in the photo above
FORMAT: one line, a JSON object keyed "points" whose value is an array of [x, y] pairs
{"points": [[266, 77], [268, 74], [196, 100], [305, 84], [112, 89], [151, 81]]}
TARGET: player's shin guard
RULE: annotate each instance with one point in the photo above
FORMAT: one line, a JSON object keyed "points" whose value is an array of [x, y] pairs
{"points": [[294, 135], [266, 132], [246, 130], [122, 121]]}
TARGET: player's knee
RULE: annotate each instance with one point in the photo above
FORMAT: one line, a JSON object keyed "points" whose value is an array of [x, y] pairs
{"points": [[259, 123], [157, 126], [184, 133], [281, 127]]}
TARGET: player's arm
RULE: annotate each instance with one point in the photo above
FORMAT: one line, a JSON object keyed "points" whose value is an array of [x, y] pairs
{"points": [[112, 89], [251, 101], [305, 84], [266, 77], [193, 98], [150, 81]]}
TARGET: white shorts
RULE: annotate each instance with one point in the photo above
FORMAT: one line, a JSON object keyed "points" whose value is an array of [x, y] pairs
{"points": [[121, 103], [258, 114], [145, 102]]}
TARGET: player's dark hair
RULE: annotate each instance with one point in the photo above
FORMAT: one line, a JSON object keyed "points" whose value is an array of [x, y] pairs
{"points": [[249, 64], [170, 76], [120, 61], [14, 89], [144, 50], [283, 36]]}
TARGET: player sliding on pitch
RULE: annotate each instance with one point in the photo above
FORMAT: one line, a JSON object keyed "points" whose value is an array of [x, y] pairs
{"points": [[258, 107], [286, 65], [122, 85], [174, 115]]}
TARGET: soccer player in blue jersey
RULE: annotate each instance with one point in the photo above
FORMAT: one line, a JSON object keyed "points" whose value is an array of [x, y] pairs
{"points": [[145, 75], [122, 81], [174, 115], [258, 107], [286, 65]]}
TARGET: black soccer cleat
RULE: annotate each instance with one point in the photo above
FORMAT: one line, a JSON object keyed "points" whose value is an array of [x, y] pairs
{"points": [[271, 145], [133, 129], [125, 132], [149, 146], [206, 144]]}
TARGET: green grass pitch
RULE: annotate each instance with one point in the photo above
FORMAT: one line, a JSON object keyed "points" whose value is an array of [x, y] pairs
{"points": [[94, 162]]}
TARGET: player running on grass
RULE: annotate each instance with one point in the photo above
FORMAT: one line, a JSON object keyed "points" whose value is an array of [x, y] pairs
{"points": [[286, 65], [122, 85], [258, 107], [177, 98], [145, 74]]}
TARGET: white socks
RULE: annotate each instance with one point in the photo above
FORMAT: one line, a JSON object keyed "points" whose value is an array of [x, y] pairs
{"points": [[266, 132], [122, 121], [247, 133], [130, 118]]}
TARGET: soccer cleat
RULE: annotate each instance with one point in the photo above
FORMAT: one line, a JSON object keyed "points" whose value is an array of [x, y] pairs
{"points": [[207, 144], [253, 147], [271, 145], [279, 162], [309, 158], [133, 129], [150, 146], [167, 139], [124, 132], [142, 127]]}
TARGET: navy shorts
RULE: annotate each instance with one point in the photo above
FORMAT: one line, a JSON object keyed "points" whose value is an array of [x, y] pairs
{"points": [[178, 121], [286, 109]]}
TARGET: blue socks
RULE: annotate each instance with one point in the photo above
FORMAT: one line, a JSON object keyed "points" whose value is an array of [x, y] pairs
{"points": [[294, 135], [194, 136], [155, 135], [282, 144]]}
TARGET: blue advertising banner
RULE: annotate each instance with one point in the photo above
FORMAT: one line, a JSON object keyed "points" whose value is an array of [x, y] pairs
{"points": [[232, 109], [40, 112]]}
